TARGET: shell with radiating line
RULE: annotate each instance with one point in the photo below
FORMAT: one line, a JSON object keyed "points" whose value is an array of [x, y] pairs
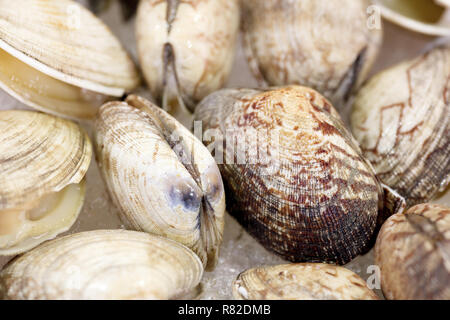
{"points": [[103, 265], [43, 160], [329, 46], [302, 281], [186, 49], [401, 119], [160, 176], [295, 177], [57, 57]]}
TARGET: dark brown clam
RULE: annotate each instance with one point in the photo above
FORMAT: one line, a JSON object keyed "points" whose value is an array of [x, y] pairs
{"points": [[295, 177]]}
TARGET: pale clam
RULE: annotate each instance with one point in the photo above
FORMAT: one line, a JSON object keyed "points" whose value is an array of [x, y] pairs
{"points": [[104, 265], [429, 17], [163, 180], [401, 119], [413, 253], [58, 57], [186, 49], [43, 160], [295, 177], [326, 45], [303, 281]]}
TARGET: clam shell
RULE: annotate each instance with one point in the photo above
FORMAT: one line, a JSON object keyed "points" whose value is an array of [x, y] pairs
{"points": [[322, 44], [413, 253], [40, 155], [59, 43], [163, 180], [296, 179], [186, 48], [421, 16], [401, 118], [304, 281], [102, 264]]}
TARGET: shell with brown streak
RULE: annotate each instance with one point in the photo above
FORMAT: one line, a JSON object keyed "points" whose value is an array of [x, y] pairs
{"points": [[43, 160], [296, 179], [413, 253], [103, 264], [401, 119], [304, 281], [163, 180], [326, 45], [57, 57], [186, 49]]}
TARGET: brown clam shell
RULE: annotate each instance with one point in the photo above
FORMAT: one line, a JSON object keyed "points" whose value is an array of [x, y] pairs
{"points": [[413, 253], [296, 179]]}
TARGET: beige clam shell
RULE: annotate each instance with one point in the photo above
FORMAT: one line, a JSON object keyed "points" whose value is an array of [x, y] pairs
{"points": [[43, 160], [163, 180], [69, 61], [401, 118], [186, 48], [413, 253], [304, 281], [103, 264], [328, 45]]}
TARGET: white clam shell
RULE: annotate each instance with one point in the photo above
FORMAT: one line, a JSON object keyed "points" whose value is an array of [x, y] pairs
{"points": [[103, 264], [161, 177]]}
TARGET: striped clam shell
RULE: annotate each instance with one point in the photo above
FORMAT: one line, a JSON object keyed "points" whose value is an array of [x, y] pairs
{"points": [[413, 253], [401, 118], [296, 179], [163, 180]]}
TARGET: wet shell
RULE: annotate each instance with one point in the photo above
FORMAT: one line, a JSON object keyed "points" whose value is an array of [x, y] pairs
{"points": [[326, 45], [43, 160], [102, 264], [295, 177], [305, 281], [58, 57], [186, 48], [424, 16], [160, 176], [401, 118], [413, 253]]}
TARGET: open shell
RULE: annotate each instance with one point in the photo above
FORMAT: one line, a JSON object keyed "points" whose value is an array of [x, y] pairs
{"points": [[401, 118], [103, 264], [160, 176], [43, 160], [58, 57], [322, 44], [295, 178], [304, 281], [413, 253], [186, 49], [424, 16]]}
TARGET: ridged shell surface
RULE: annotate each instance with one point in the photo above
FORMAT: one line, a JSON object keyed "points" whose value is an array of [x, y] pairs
{"points": [[326, 45], [296, 179], [64, 40], [160, 176], [102, 264], [304, 281], [401, 118], [413, 253]]}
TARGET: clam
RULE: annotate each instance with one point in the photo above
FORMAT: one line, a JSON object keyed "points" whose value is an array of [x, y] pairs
{"points": [[322, 44], [424, 16], [303, 281], [163, 180], [186, 49], [43, 160], [413, 253], [103, 264], [57, 57], [401, 119], [295, 177]]}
